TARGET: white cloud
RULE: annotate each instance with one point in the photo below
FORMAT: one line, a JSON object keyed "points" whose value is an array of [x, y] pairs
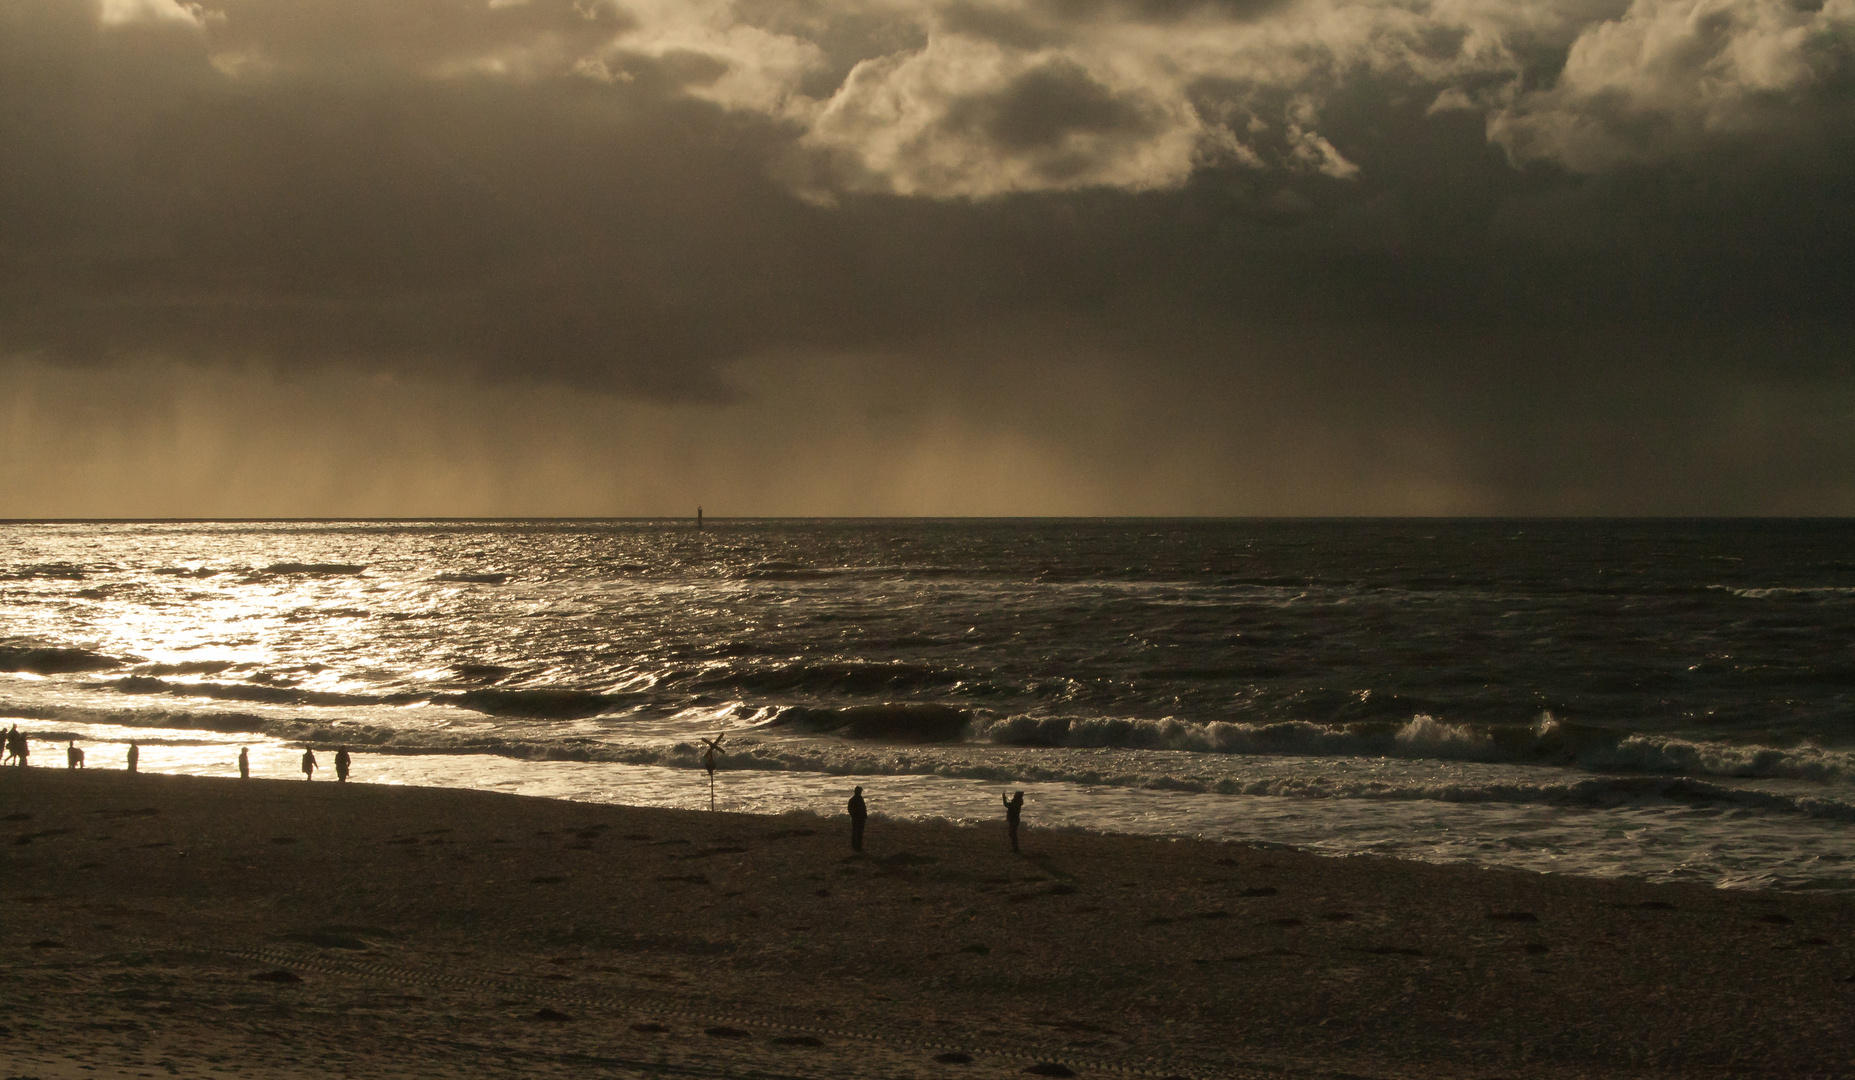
{"points": [[1671, 74], [974, 99], [126, 12]]}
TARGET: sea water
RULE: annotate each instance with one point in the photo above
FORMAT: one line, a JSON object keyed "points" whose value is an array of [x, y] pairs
{"points": [[1667, 700]]}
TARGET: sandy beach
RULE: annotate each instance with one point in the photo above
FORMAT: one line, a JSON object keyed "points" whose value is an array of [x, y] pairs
{"points": [[178, 926]]}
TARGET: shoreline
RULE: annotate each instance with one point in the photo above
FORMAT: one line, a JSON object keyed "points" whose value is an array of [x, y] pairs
{"points": [[445, 931], [1691, 832]]}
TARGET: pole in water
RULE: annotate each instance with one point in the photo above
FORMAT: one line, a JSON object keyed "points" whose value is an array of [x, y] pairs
{"points": [[698, 519], [708, 762]]}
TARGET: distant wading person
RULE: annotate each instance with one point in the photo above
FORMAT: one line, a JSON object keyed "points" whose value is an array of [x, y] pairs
{"points": [[135, 755], [1014, 809], [73, 757], [342, 761], [244, 763], [309, 764], [858, 813]]}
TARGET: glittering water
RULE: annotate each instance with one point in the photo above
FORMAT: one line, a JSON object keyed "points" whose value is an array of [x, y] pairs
{"points": [[1662, 699]]}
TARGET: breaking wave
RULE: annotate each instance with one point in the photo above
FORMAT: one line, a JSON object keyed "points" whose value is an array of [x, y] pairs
{"points": [[39, 660], [906, 723], [1546, 742]]}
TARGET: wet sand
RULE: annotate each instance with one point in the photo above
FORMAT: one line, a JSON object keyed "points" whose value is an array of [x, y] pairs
{"points": [[155, 926]]}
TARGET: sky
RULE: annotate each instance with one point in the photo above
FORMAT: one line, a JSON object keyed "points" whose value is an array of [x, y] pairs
{"points": [[383, 258]]}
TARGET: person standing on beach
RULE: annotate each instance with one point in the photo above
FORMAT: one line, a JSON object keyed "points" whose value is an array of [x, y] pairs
{"points": [[21, 748], [244, 763], [135, 755], [342, 761], [12, 744], [858, 814], [1014, 809], [309, 764], [73, 757]]}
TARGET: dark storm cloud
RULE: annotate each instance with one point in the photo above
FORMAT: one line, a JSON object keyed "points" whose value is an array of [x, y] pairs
{"points": [[1575, 256]]}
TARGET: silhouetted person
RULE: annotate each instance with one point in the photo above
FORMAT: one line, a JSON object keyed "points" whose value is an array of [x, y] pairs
{"points": [[309, 764], [12, 743], [21, 749], [244, 763], [1014, 809], [73, 757], [858, 813], [135, 755], [342, 760]]}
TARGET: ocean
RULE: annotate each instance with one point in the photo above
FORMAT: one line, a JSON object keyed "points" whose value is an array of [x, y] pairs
{"points": [[1663, 700]]}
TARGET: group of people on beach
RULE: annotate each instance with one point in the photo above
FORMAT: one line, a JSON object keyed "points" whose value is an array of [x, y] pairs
{"points": [[19, 751], [343, 762], [860, 813]]}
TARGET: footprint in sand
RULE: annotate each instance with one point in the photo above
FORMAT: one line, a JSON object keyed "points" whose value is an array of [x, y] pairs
{"points": [[549, 1016], [651, 1029], [725, 1033], [798, 1040], [954, 1057]]}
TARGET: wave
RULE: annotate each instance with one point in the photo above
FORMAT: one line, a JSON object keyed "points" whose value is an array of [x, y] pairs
{"points": [[539, 703], [314, 569], [1782, 592], [911, 723], [847, 677], [52, 660], [1546, 742], [472, 579], [786, 571], [190, 667], [60, 571], [269, 695]]}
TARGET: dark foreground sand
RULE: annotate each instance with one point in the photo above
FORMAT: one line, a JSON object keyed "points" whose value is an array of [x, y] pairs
{"points": [[153, 926]]}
